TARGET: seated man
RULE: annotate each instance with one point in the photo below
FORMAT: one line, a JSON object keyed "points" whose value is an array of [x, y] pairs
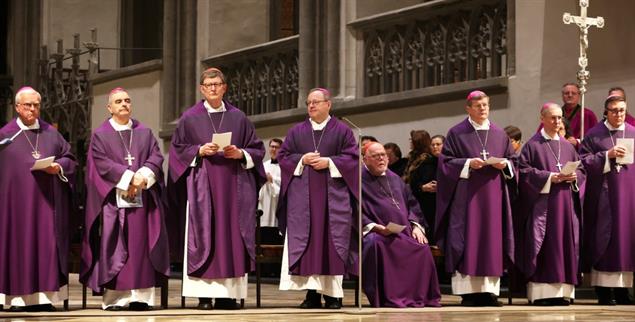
{"points": [[398, 268]]}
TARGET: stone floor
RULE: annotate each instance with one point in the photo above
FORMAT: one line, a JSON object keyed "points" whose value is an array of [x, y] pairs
{"points": [[280, 306]]}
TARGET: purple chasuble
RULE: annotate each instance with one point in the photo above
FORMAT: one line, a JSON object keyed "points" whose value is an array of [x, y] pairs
{"points": [[315, 210], [609, 205], [123, 249], [473, 221], [222, 195], [34, 212], [547, 241], [398, 271]]}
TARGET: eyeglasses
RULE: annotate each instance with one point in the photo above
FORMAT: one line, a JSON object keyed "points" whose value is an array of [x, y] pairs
{"points": [[378, 156], [30, 105], [616, 111], [210, 85], [314, 102], [274, 146]]}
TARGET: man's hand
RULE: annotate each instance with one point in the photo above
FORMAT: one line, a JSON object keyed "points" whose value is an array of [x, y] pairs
{"points": [[232, 152], [500, 166], [573, 140], [558, 178], [617, 151], [381, 229], [132, 192], [419, 235], [269, 178], [320, 163], [54, 168], [207, 149], [139, 181], [309, 158], [477, 163], [430, 186]]}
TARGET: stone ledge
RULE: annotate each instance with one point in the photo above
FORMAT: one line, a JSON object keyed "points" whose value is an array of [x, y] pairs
{"points": [[132, 70]]}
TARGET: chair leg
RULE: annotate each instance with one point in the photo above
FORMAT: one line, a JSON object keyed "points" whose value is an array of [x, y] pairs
{"points": [[257, 283], [66, 305], [357, 292], [182, 302], [83, 297], [242, 303], [164, 293]]}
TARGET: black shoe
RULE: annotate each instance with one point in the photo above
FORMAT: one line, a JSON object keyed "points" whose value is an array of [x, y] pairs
{"points": [[622, 297], [469, 300], [139, 306], [489, 299], [205, 303], [114, 308], [46, 308], [313, 300], [605, 296], [14, 308], [226, 304], [332, 303]]}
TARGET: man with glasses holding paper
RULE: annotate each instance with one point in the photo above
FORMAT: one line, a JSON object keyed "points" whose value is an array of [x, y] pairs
{"points": [[216, 159], [550, 186], [399, 270], [35, 166], [609, 205]]}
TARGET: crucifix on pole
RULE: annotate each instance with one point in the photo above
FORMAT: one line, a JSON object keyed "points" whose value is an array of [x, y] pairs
{"points": [[583, 22]]}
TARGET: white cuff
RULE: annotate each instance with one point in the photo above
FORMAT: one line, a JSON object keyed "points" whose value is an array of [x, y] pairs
{"points": [[193, 163], [124, 182], [298, 169], [465, 173], [335, 173], [607, 164], [368, 228], [510, 167], [61, 174], [423, 230], [249, 161], [150, 177], [547, 187]]}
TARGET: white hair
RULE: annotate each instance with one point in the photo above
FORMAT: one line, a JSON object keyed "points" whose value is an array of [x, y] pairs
{"points": [[26, 90]]}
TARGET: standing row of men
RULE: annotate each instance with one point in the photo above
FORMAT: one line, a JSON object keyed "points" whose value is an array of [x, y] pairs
{"points": [[216, 170], [562, 195]]}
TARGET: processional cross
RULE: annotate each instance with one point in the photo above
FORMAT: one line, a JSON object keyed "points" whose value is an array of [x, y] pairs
{"points": [[583, 22]]}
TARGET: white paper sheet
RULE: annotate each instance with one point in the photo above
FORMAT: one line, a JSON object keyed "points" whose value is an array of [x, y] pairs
{"points": [[222, 139], [42, 163], [628, 143], [494, 160], [124, 202], [570, 167], [395, 228]]}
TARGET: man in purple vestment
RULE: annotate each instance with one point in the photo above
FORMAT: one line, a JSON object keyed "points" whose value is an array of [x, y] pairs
{"points": [[221, 183], [319, 165], [34, 210], [609, 207], [398, 267], [618, 91], [547, 237], [125, 245], [473, 220]]}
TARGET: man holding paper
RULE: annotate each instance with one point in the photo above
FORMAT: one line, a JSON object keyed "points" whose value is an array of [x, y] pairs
{"points": [[473, 220], [398, 267], [319, 187], [34, 209], [550, 188], [609, 206], [125, 243], [216, 160]]}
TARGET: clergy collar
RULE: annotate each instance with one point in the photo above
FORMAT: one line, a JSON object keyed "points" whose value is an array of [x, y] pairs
{"points": [[547, 137], [34, 126], [118, 127], [383, 174], [484, 126], [210, 109], [319, 126], [611, 128]]}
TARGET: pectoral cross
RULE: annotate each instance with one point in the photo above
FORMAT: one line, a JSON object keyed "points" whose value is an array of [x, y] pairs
{"points": [[618, 167], [129, 158], [559, 166], [484, 153], [394, 202], [584, 23]]}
